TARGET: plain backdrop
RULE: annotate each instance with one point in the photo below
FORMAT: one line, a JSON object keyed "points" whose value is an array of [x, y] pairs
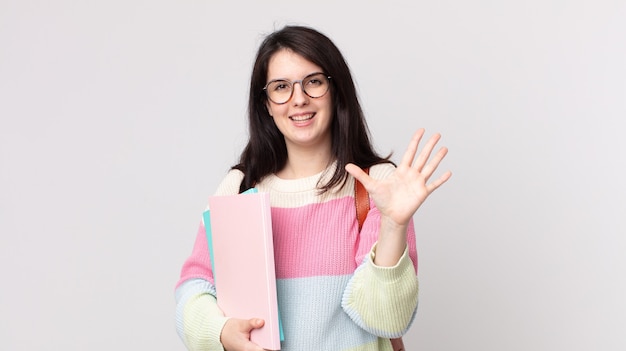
{"points": [[119, 118]]}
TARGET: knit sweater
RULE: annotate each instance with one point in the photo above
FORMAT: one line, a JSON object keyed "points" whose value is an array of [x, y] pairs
{"points": [[331, 295]]}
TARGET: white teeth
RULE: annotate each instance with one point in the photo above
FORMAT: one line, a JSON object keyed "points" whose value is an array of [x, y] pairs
{"points": [[301, 118]]}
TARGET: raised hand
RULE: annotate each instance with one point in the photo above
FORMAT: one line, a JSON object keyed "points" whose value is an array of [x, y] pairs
{"points": [[398, 196]]}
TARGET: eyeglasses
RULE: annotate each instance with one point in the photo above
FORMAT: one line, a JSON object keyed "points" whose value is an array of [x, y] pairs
{"points": [[315, 85]]}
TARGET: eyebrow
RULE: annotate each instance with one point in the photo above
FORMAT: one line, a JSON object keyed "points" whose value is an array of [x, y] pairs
{"points": [[290, 80]]}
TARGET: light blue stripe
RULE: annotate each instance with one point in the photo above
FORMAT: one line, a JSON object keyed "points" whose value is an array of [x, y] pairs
{"points": [[312, 307]]}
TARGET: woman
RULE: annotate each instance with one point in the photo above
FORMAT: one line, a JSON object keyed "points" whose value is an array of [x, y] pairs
{"points": [[338, 288]]}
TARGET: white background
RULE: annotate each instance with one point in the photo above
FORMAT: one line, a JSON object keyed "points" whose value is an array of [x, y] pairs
{"points": [[119, 118]]}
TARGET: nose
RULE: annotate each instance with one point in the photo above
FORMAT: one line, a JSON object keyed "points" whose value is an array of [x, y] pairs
{"points": [[299, 96]]}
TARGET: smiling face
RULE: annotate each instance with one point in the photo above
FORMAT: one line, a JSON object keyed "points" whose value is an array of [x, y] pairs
{"points": [[304, 121]]}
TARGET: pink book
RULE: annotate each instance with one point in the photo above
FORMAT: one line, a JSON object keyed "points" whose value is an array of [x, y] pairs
{"points": [[243, 262]]}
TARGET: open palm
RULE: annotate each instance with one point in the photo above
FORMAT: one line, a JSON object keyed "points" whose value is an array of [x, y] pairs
{"points": [[398, 196]]}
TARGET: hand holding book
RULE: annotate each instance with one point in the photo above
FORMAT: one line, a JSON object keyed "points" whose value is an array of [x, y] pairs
{"points": [[236, 334]]}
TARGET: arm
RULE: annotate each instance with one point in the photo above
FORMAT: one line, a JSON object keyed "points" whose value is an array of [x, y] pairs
{"points": [[382, 295], [383, 300], [199, 321]]}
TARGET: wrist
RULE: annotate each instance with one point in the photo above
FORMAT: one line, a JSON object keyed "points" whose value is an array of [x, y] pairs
{"points": [[391, 228], [391, 244]]}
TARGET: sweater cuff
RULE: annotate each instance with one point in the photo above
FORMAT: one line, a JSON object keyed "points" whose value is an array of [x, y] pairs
{"points": [[214, 332], [203, 323], [393, 273]]}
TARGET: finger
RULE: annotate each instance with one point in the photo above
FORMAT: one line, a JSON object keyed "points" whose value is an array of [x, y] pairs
{"points": [[437, 183], [424, 155], [432, 165], [255, 323], [359, 174], [411, 150]]}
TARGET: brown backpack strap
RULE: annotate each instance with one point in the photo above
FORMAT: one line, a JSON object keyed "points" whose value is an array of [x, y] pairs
{"points": [[361, 200], [397, 344]]}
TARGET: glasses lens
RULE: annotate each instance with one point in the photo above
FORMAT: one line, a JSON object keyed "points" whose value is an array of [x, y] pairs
{"points": [[315, 85], [279, 91]]}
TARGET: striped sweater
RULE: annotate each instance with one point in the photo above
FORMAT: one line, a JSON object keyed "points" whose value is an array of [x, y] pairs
{"points": [[330, 293]]}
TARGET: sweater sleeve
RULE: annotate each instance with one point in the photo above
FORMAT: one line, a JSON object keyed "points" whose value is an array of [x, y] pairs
{"points": [[199, 321], [383, 300]]}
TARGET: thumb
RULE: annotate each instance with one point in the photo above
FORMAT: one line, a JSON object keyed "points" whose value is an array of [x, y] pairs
{"points": [[256, 323], [358, 173]]}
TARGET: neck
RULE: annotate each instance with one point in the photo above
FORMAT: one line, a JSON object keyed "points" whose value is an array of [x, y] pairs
{"points": [[303, 163]]}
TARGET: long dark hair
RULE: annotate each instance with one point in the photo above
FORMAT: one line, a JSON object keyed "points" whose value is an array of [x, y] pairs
{"points": [[266, 151]]}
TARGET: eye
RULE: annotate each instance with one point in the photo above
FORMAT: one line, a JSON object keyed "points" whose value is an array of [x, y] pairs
{"points": [[314, 82], [279, 86]]}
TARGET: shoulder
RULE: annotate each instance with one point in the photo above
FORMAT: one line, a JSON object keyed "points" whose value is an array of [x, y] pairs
{"points": [[230, 183]]}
